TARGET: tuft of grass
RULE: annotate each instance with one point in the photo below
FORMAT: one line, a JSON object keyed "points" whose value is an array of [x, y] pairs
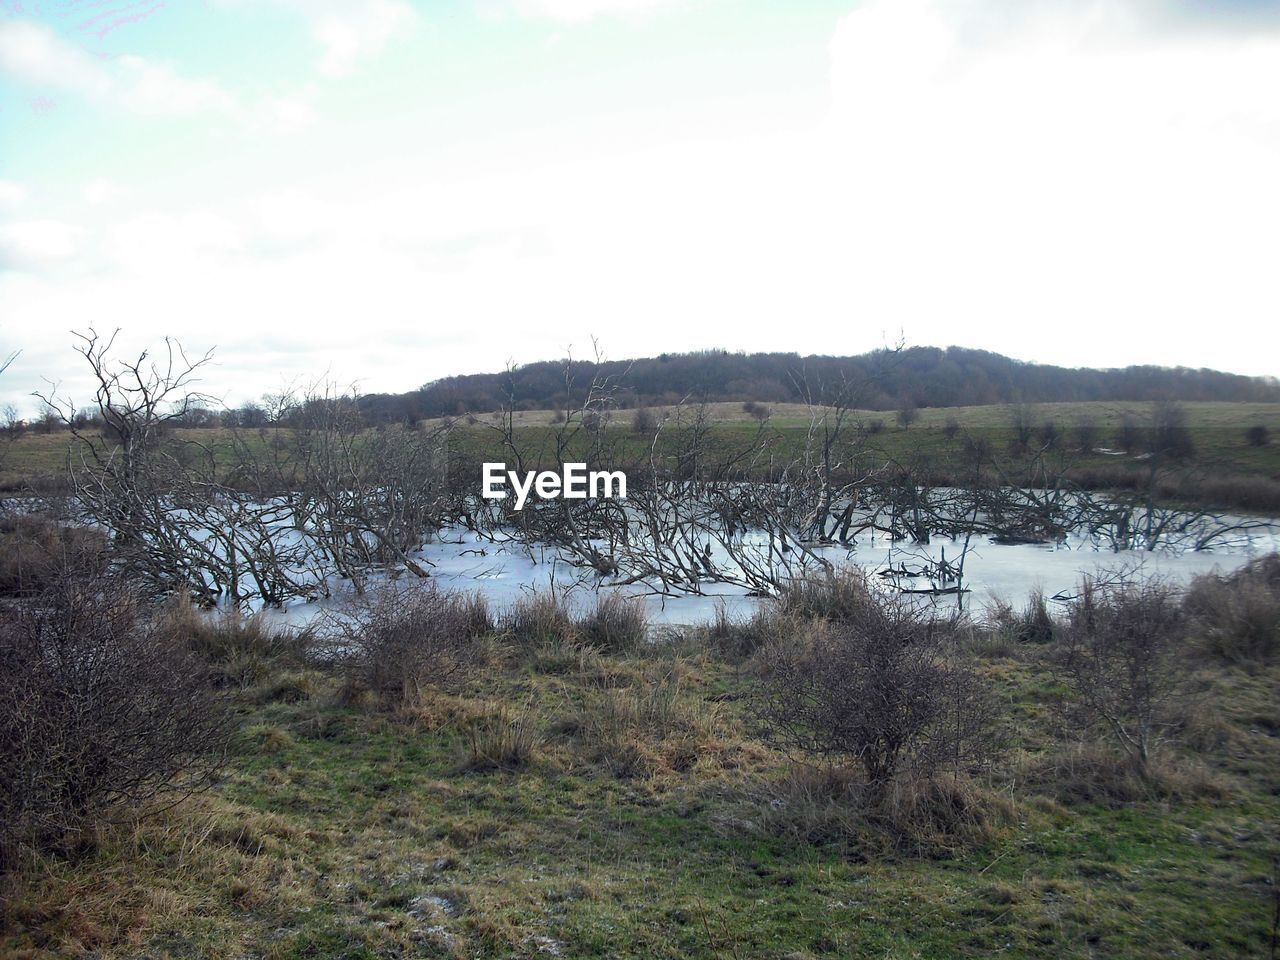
{"points": [[503, 740], [242, 650], [540, 620], [616, 624]]}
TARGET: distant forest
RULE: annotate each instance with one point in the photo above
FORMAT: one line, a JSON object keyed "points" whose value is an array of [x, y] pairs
{"points": [[917, 377]]}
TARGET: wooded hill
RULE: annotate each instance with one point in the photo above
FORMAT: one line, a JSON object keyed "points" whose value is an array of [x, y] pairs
{"points": [[887, 380]]}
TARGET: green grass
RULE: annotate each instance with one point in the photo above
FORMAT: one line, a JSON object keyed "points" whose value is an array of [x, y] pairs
{"points": [[356, 833], [1217, 429]]}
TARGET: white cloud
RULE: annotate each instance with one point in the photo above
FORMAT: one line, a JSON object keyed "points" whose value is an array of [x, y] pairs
{"points": [[11, 194], [34, 244], [580, 10], [1057, 182], [351, 32], [100, 190], [34, 54]]}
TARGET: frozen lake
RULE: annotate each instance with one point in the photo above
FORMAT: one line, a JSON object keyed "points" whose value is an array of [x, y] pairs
{"points": [[503, 572]]}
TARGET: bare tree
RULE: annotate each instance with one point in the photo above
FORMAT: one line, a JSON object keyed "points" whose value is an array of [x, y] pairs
{"points": [[1119, 660], [877, 688]]}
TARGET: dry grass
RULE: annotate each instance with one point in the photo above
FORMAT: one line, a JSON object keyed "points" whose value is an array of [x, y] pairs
{"points": [[241, 650], [616, 624], [1237, 618]]}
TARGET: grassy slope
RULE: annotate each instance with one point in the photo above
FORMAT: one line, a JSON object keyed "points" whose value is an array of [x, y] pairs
{"points": [[1217, 430], [357, 834]]}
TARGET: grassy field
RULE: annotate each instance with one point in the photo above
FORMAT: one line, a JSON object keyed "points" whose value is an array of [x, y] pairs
{"points": [[1217, 431], [574, 804]]}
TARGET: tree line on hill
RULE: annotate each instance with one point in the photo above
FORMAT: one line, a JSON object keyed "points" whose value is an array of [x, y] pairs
{"points": [[913, 377]]}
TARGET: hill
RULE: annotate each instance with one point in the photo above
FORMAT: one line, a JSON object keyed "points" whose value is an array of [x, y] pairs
{"points": [[918, 376]]}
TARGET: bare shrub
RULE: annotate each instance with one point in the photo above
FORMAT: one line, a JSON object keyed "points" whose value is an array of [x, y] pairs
{"points": [[951, 429], [617, 624], [402, 644], [1237, 618], [97, 709], [907, 414], [1119, 661], [1257, 436], [1085, 435], [880, 688], [757, 411]]}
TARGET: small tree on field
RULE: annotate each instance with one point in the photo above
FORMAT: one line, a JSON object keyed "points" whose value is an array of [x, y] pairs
{"points": [[1119, 662], [907, 414], [1257, 436], [878, 688], [643, 421]]}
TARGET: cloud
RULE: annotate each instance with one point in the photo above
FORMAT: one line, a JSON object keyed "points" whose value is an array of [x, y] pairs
{"points": [[345, 31], [352, 32], [11, 194], [100, 190], [582, 10], [35, 244], [36, 55]]}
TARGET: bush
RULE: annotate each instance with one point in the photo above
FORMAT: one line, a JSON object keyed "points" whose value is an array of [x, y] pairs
{"points": [[1119, 662], [405, 642], [1237, 618], [616, 625], [1257, 436], [97, 708], [879, 688]]}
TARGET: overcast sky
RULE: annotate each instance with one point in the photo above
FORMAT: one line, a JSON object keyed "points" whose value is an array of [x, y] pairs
{"points": [[388, 192]]}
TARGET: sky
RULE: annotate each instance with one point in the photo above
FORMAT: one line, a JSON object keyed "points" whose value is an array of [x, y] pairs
{"points": [[384, 192]]}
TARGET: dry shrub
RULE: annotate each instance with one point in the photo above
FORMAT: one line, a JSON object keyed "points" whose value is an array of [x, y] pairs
{"points": [[97, 709], [35, 551], [1237, 618], [617, 624], [1119, 660], [881, 689], [242, 650], [404, 643]]}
